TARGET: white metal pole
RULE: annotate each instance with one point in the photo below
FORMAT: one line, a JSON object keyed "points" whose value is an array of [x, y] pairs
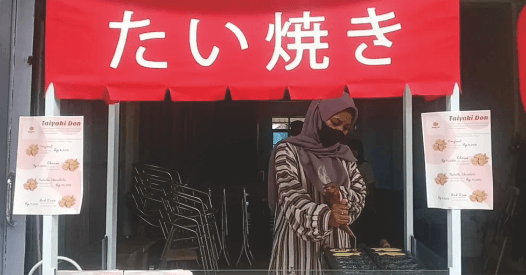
{"points": [[112, 184], [50, 223], [408, 168], [454, 225]]}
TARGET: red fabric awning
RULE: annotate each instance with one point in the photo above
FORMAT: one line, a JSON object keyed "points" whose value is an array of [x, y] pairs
{"points": [[138, 50], [521, 52]]}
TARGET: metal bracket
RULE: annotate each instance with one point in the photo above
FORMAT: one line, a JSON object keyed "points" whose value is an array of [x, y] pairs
{"points": [[9, 199]]}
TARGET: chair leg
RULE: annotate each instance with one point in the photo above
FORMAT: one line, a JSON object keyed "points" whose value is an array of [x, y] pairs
{"points": [[216, 229], [214, 252], [203, 251], [225, 251], [244, 246], [166, 248], [240, 254], [249, 251], [207, 245], [215, 243], [206, 251], [247, 242], [246, 226], [209, 236], [246, 250]]}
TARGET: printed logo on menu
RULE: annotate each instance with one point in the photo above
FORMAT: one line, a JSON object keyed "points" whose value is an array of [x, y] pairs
{"points": [[435, 125], [31, 130]]}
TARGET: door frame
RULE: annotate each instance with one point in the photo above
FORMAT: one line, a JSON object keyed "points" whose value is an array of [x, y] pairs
{"points": [[15, 101]]}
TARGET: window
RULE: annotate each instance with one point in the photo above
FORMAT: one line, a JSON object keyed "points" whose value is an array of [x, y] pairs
{"points": [[281, 127]]}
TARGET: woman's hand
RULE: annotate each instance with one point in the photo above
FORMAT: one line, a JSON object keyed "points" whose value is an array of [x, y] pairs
{"points": [[332, 194], [384, 243], [339, 214]]}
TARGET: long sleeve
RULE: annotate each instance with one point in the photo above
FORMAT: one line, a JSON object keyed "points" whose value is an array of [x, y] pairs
{"points": [[309, 220], [355, 192]]}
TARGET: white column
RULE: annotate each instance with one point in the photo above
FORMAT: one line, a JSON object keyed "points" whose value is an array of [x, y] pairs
{"points": [[112, 190], [408, 168], [454, 248], [50, 223]]}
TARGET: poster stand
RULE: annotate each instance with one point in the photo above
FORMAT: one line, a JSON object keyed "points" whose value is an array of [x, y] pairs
{"points": [[50, 223], [454, 221]]}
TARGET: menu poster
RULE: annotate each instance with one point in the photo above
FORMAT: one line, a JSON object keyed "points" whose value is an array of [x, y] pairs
{"points": [[49, 167], [458, 160]]}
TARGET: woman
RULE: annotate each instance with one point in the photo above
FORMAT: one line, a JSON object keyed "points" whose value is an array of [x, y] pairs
{"points": [[302, 169]]}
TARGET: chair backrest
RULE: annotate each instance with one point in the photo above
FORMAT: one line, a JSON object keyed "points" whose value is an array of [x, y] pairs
{"points": [[175, 204], [149, 218], [152, 183], [157, 171], [190, 200], [169, 187]]}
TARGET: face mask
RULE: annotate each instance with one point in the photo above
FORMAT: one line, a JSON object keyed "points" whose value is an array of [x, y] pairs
{"points": [[329, 136]]}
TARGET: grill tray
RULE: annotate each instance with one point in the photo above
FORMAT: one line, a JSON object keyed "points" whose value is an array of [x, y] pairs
{"points": [[370, 263]]}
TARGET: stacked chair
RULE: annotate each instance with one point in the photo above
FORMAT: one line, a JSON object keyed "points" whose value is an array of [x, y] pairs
{"points": [[245, 248], [224, 227], [182, 215]]}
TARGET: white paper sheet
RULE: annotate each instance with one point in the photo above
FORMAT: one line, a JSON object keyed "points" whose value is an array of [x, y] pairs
{"points": [[49, 170], [458, 159]]}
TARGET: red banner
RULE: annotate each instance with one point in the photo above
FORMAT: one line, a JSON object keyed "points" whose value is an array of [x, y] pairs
{"points": [[521, 46], [137, 50]]}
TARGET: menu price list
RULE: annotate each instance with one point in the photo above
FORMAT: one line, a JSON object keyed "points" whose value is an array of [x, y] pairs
{"points": [[458, 159], [49, 171]]}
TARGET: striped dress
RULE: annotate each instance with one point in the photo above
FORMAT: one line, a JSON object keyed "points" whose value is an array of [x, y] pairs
{"points": [[301, 228]]}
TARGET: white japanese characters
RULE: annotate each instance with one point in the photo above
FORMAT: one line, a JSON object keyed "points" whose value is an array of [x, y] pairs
{"points": [[125, 26], [206, 62], [306, 36], [377, 31], [278, 31]]}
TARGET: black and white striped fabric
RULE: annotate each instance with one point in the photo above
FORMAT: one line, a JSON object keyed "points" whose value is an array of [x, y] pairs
{"points": [[301, 227]]}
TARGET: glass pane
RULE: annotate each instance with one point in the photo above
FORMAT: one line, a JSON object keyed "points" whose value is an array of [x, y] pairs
{"points": [[283, 126], [280, 120], [277, 136], [292, 119]]}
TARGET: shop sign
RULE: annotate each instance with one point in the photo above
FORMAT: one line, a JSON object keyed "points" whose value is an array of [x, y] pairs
{"points": [[50, 166], [138, 50], [458, 160]]}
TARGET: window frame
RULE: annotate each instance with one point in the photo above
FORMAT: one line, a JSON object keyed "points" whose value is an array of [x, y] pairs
{"points": [[288, 122]]}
